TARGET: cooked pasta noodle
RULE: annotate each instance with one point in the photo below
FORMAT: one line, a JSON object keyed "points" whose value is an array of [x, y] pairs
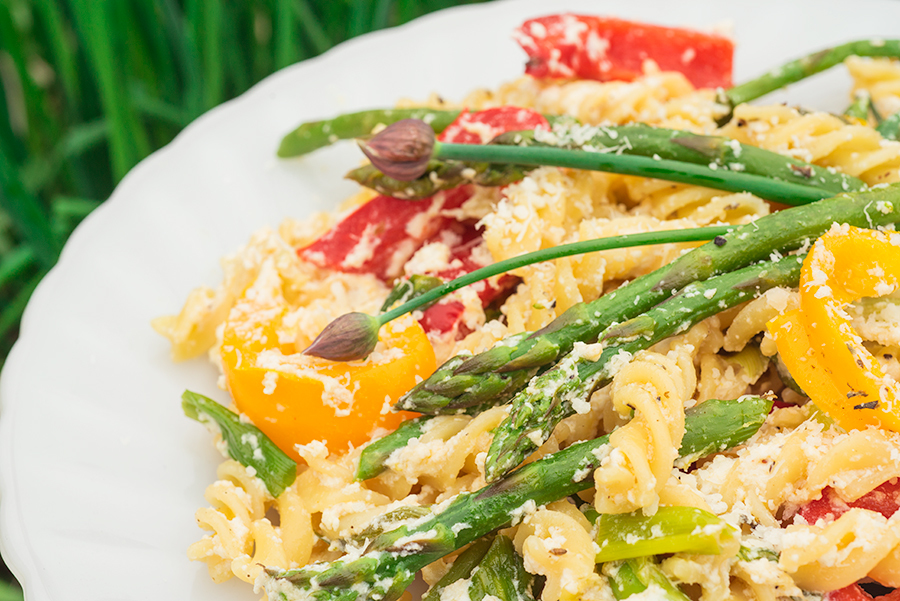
{"points": [[818, 138]]}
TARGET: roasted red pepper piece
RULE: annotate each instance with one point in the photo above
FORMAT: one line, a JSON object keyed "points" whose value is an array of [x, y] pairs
{"points": [[854, 592], [607, 49], [466, 255], [381, 235], [884, 500], [484, 126]]}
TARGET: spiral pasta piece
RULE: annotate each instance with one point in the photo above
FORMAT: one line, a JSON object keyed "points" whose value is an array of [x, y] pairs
{"points": [[643, 451], [858, 544], [556, 542], [819, 138]]}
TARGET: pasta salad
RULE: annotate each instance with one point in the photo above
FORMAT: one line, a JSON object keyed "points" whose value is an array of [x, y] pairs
{"points": [[607, 331]]}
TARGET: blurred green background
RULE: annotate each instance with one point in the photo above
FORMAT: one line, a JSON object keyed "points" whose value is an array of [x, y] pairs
{"points": [[91, 87]]}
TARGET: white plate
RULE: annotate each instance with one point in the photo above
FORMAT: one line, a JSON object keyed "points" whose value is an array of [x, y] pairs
{"points": [[100, 471]]}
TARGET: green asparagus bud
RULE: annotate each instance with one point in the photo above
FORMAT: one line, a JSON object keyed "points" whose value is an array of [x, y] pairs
{"points": [[244, 442], [669, 530], [389, 564], [552, 396], [777, 233], [318, 134]]}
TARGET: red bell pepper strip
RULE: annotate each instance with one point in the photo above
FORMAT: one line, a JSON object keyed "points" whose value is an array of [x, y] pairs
{"points": [[484, 126], [884, 499], [854, 592], [380, 236], [607, 49]]}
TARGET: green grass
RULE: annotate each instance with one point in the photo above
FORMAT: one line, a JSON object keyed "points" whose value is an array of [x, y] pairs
{"points": [[91, 87]]}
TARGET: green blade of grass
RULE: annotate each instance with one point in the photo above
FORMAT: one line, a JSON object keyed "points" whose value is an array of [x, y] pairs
{"points": [[286, 47], [62, 45], [184, 43], [43, 128], [128, 140], [12, 312], [9, 592], [209, 26], [15, 264], [28, 216], [312, 27], [41, 169]]}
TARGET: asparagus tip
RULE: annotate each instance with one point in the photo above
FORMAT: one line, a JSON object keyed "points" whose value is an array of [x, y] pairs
{"points": [[402, 150], [349, 337]]}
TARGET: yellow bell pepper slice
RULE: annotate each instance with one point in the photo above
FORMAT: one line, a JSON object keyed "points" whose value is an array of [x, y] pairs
{"points": [[295, 399], [817, 342]]}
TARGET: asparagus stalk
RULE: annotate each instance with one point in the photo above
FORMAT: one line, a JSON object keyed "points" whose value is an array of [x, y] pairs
{"points": [[669, 530], [245, 443], [318, 134], [373, 457], [552, 396], [637, 575], [354, 335], [388, 565], [497, 374], [635, 139], [802, 68]]}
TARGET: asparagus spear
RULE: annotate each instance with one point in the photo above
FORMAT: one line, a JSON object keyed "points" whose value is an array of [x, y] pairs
{"points": [[354, 335], [318, 134], [388, 565], [635, 139], [244, 442], [497, 374], [634, 576], [802, 68], [553, 395], [669, 530], [371, 460]]}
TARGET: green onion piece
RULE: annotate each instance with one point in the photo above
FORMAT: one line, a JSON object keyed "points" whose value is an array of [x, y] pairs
{"points": [[623, 579], [637, 575], [246, 443], [670, 530]]}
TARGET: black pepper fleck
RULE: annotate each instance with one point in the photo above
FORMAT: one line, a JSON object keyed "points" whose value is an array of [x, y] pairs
{"points": [[719, 241]]}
